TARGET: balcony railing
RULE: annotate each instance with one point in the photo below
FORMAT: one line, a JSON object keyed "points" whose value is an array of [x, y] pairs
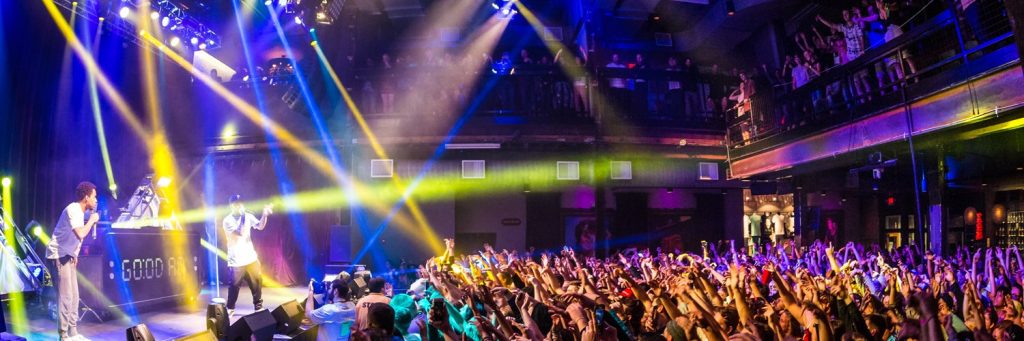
{"points": [[947, 49], [541, 93]]}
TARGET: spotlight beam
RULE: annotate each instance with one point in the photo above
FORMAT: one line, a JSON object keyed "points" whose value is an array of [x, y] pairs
{"points": [[315, 159], [482, 42], [284, 180], [417, 214], [94, 101], [19, 319], [569, 67], [109, 91]]}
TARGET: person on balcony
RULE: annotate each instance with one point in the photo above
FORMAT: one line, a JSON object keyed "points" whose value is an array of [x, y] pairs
{"points": [[617, 85], [853, 33]]}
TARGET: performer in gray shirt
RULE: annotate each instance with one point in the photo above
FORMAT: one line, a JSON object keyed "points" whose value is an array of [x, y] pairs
{"points": [[63, 249]]}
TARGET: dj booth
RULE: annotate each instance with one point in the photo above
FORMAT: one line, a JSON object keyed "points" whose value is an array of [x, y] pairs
{"points": [[139, 269]]}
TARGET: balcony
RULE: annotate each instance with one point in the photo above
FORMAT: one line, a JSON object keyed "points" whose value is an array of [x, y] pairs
{"points": [[960, 73]]}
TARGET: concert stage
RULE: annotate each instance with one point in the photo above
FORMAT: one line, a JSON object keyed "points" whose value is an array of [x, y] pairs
{"points": [[166, 324]]}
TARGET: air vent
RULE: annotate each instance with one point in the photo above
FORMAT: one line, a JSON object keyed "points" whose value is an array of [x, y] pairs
{"points": [[474, 169], [553, 33], [663, 39], [568, 170], [708, 170], [382, 168], [622, 170]]}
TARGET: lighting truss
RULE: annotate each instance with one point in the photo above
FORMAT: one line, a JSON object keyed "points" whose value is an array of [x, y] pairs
{"points": [[178, 22]]}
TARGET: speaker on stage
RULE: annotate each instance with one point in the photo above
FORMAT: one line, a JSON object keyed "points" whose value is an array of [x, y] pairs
{"points": [[288, 316], [139, 333], [5, 336], [205, 335], [306, 335], [257, 326], [217, 320]]}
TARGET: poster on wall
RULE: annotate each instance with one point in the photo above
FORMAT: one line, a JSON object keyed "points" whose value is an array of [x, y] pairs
{"points": [[581, 233]]}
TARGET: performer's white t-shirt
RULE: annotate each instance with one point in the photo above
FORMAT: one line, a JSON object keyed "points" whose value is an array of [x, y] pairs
{"points": [[240, 249], [64, 241]]}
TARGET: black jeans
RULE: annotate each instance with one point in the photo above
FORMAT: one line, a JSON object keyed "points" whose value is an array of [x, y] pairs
{"points": [[251, 274]]}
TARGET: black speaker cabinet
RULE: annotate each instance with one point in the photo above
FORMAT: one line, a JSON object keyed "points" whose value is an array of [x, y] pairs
{"points": [[205, 335], [217, 320], [139, 333], [259, 326], [288, 316]]}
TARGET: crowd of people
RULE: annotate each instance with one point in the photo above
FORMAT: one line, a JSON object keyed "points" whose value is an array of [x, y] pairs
{"points": [[775, 292]]}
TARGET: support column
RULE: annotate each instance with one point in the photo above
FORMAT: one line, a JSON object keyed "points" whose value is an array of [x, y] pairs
{"points": [[1015, 9], [936, 186]]}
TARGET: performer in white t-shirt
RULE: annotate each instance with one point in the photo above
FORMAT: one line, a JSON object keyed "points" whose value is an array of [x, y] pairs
{"points": [[242, 261], [75, 222]]}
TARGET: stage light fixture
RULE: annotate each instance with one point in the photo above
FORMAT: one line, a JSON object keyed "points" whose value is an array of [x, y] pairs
{"points": [[113, 187], [6, 182], [267, 3], [194, 41], [37, 231], [163, 182], [165, 21], [495, 5], [154, 15], [730, 7], [102, 18], [124, 12], [202, 46], [321, 16], [298, 20], [74, 3], [175, 41]]}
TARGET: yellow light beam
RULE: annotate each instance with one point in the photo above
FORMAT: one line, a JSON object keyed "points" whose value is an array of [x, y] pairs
{"points": [[480, 42], [317, 160], [108, 89], [539, 175], [421, 221], [94, 101], [19, 320], [570, 68]]}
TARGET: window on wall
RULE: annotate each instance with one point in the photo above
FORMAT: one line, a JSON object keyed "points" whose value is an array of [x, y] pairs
{"points": [[893, 222]]}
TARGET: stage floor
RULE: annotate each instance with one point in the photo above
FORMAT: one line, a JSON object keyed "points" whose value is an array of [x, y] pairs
{"points": [[169, 323]]}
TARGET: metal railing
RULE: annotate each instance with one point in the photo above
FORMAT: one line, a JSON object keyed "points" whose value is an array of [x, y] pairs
{"points": [[925, 59]]}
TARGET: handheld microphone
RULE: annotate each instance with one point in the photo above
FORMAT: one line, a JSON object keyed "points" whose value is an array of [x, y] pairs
{"points": [[88, 214]]}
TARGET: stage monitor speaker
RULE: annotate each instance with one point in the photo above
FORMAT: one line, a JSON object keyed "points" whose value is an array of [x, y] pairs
{"points": [[288, 316], [205, 335], [217, 320], [139, 333], [306, 335], [258, 326], [5, 336]]}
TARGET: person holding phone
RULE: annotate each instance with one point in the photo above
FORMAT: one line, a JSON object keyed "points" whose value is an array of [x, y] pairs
{"points": [[334, 315], [63, 248]]}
